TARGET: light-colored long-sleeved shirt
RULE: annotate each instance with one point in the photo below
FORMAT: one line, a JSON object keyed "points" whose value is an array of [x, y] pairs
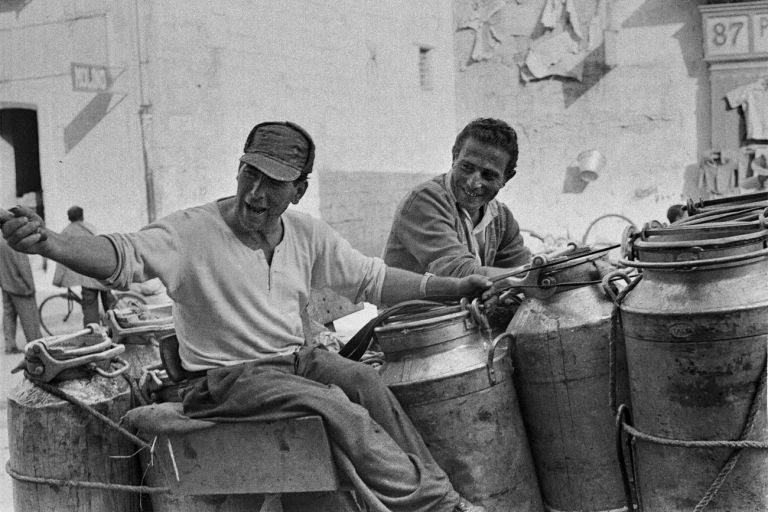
{"points": [[15, 271], [230, 304], [430, 233]]}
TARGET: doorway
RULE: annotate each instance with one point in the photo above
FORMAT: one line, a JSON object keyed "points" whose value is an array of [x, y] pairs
{"points": [[20, 159]]}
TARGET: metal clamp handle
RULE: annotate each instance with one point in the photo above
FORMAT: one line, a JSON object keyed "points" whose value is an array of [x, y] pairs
{"points": [[42, 366], [569, 248], [89, 329], [491, 355], [149, 328], [125, 365], [532, 284]]}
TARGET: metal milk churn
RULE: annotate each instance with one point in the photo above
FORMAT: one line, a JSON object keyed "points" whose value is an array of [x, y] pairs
{"points": [[563, 355], [695, 328], [455, 383]]}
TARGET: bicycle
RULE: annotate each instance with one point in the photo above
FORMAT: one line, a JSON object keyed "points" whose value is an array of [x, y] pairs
{"points": [[58, 314]]}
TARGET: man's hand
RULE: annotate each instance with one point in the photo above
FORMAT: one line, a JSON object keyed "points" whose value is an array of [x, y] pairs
{"points": [[474, 285], [24, 230]]}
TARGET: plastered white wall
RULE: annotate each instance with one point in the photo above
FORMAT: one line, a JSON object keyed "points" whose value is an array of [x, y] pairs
{"points": [[347, 71], [103, 172], [648, 114]]}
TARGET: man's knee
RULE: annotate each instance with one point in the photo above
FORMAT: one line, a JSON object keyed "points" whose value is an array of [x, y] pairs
{"points": [[364, 380]]}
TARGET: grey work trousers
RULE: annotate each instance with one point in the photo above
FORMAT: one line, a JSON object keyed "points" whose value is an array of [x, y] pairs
{"points": [[25, 308], [375, 444]]}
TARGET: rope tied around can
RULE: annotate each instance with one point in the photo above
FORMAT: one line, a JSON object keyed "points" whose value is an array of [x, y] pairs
{"points": [[141, 443], [617, 297], [624, 425]]}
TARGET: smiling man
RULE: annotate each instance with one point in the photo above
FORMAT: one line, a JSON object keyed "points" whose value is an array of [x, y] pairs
{"points": [[239, 270], [452, 225]]}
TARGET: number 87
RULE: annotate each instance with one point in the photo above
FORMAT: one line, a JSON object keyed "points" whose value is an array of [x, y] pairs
{"points": [[721, 33]]}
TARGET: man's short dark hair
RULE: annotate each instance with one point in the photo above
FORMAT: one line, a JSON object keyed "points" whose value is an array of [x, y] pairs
{"points": [[494, 132], [75, 214]]}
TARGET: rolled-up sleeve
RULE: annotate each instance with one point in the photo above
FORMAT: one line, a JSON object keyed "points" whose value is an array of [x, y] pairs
{"points": [[346, 270], [146, 254]]}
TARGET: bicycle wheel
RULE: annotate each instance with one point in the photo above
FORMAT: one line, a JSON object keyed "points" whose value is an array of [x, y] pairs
{"points": [[126, 300], [60, 314]]}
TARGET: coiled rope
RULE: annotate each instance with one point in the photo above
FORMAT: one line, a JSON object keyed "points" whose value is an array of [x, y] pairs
{"points": [[613, 336]]}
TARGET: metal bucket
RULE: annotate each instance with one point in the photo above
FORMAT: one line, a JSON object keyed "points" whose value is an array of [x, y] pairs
{"points": [[695, 329], [456, 385], [562, 356]]}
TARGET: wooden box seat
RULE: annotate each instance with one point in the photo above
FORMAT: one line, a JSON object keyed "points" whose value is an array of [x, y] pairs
{"points": [[194, 457]]}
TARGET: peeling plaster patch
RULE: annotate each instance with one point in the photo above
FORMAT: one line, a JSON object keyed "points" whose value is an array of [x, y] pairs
{"points": [[642, 193]]}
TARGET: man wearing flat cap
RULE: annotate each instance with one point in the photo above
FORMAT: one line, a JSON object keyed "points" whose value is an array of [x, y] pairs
{"points": [[240, 270]]}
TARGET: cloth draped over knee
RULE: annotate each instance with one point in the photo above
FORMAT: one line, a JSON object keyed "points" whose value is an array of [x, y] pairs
{"points": [[388, 474]]}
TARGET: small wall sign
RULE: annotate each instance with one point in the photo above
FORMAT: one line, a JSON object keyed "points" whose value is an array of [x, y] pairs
{"points": [[736, 31], [90, 78]]}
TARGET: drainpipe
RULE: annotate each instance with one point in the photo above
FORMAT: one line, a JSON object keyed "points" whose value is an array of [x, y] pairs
{"points": [[145, 122]]}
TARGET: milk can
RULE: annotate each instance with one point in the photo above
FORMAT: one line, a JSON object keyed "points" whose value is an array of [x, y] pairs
{"points": [[455, 383], [563, 355], [695, 328]]}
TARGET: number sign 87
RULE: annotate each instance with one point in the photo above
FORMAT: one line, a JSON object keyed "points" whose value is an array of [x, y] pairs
{"points": [[728, 35]]}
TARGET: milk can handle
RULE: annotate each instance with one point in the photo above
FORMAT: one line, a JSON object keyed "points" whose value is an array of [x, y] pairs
{"points": [[479, 316], [491, 354], [609, 288]]}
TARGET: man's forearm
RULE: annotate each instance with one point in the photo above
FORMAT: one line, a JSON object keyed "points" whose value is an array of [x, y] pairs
{"points": [[93, 256], [400, 285], [493, 271], [25, 231], [499, 271]]}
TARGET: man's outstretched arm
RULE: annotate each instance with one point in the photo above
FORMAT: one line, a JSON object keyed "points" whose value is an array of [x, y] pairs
{"points": [[400, 285], [25, 231]]}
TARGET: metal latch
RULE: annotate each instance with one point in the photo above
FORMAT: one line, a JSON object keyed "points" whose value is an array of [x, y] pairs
{"points": [[72, 356]]}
